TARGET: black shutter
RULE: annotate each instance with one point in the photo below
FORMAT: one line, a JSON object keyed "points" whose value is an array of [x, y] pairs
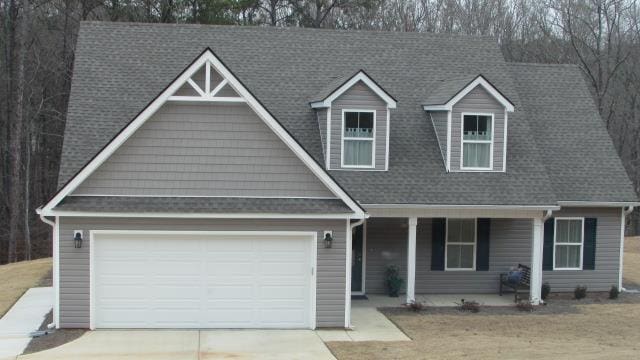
{"points": [[547, 251], [482, 247], [438, 232], [589, 248]]}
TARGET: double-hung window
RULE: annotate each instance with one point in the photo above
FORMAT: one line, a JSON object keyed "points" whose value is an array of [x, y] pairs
{"points": [[358, 139], [461, 244], [477, 141], [568, 242]]}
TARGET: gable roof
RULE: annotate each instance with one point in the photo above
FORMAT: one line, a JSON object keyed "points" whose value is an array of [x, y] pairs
{"points": [[206, 59], [340, 85], [131, 65], [451, 91], [574, 143]]}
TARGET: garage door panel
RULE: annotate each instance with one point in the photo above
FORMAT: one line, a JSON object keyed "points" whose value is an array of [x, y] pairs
{"points": [[202, 281]]}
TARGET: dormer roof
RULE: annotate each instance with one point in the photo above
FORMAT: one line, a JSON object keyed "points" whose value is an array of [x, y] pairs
{"points": [[339, 85], [450, 91]]}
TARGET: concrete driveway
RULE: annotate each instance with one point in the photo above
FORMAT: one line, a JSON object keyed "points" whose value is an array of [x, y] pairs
{"points": [[186, 344]]}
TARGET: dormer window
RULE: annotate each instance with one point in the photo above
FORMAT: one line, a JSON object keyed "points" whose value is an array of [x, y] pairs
{"points": [[477, 141], [358, 138]]}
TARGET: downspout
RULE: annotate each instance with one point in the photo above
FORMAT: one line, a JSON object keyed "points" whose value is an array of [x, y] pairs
{"points": [[53, 229], [625, 211], [547, 215]]}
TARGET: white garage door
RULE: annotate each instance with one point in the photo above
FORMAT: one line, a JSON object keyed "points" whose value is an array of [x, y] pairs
{"points": [[232, 280]]}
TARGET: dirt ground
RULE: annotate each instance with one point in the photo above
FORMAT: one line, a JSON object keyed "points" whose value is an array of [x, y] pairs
{"points": [[593, 328], [16, 278], [631, 263]]}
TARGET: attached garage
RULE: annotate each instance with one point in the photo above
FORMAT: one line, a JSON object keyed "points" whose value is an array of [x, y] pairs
{"points": [[199, 279]]}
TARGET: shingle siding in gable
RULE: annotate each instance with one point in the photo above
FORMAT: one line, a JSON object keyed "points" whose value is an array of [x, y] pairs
{"points": [[359, 97], [477, 100], [74, 263], [204, 150]]}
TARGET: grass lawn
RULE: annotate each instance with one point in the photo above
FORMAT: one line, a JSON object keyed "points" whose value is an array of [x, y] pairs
{"points": [[581, 331], [16, 278]]}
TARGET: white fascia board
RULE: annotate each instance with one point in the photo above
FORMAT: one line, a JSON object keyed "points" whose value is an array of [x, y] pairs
{"points": [[63, 213], [360, 76], [598, 203], [472, 85], [206, 57], [481, 207]]}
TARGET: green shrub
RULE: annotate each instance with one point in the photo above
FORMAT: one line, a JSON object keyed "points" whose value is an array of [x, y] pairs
{"points": [[614, 292], [524, 306], [471, 306], [546, 290], [415, 306], [393, 280], [580, 292]]}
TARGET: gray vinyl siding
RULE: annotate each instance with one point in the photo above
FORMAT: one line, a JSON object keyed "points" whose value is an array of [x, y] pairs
{"points": [[439, 120], [477, 100], [204, 150], [74, 263], [321, 115], [359, 97], [510, 245], [607, 265]]}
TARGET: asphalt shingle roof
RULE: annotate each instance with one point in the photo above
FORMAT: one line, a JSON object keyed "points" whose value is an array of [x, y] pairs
{"points": [[447, 89], [120, 67], [203, 205]]}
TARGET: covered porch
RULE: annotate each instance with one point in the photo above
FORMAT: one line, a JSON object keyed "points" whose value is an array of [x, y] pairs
{"points": [[445, 255]]}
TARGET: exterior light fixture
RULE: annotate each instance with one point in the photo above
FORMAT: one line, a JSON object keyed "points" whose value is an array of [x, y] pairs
{"points": [[77, 239], [328, 239]]}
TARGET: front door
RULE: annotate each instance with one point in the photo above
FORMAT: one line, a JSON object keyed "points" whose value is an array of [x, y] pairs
{"points": [[357, 251]]}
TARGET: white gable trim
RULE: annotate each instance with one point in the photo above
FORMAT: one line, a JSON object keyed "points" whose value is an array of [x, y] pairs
{"points": [[360, 76], [207, 57], [481, 81]]}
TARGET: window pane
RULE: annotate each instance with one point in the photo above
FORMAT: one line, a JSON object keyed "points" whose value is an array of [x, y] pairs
{"points": [[466, 255], [568, 256], [358, 124], [477, 127], [453, 256], [575, 231], [468, 230], [454, 232], [569, 231], [358, 152], [476, 155], [460, 256]]}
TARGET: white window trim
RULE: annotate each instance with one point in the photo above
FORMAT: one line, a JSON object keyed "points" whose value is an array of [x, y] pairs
{"points": [[463, 141], [555, 228], [373, 140], [446, 245]]}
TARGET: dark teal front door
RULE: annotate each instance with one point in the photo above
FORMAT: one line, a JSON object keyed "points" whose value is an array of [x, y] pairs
{"points": [[356, 259]]}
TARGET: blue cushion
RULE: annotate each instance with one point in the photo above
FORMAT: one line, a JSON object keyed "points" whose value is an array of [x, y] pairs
{"points": [[514, 276]]}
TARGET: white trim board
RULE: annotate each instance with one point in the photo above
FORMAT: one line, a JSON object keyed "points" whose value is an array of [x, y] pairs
{"points": [[62, 213], [359, 76], [479, 81], [207, 58], [311, 235]]}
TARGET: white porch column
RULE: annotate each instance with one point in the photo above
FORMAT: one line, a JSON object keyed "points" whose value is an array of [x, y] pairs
{"points": [[537, 244], [411, 260]]}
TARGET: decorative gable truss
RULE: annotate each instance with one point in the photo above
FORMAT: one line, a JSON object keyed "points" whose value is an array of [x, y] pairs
{"points": [[207, 85], [206, 79]]}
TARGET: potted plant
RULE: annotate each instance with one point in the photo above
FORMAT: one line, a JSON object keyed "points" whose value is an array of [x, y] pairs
{"points": [[393, 280]]}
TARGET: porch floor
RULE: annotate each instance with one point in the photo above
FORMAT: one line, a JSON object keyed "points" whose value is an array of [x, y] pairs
{"points": [[436, 300]]}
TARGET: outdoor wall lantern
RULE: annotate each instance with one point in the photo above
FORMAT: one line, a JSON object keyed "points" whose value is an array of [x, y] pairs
{"points": [[77, 239], [328, 239]]}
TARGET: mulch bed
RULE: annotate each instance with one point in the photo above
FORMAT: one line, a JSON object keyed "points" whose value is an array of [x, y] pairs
{"points": [[54, 338], [556, 303]]}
